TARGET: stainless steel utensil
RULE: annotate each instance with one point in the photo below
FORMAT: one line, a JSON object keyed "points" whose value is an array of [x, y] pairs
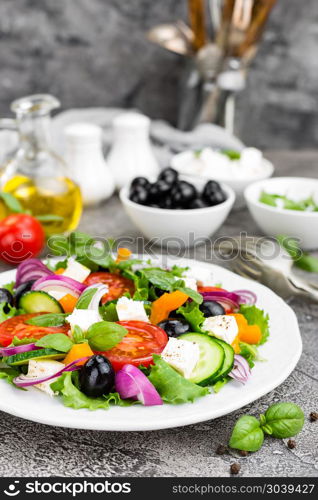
{"points": [[264, 260]]}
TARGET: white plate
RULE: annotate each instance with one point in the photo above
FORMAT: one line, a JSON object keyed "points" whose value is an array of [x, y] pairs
{"points": [[282, 352]]}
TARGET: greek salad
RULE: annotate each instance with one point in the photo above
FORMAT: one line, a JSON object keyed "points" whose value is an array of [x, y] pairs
{"points": [[102, 328]]}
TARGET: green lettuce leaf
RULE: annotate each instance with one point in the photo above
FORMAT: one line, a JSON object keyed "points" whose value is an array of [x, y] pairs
{"points": [[7, 311], [74, 398], [9, 374], [191, 312], [256, 316], [172, 387]]}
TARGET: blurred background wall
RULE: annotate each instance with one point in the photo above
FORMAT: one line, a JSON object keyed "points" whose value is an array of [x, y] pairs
{"points": [[94, 53]]}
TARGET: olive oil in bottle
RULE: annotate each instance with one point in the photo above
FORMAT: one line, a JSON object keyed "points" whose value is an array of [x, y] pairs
{"points": [[36, 175]]}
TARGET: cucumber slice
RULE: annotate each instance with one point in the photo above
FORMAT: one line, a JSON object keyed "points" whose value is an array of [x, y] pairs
{"points": [[228, 359], [24, 357], [38, 301], [211, 358]]}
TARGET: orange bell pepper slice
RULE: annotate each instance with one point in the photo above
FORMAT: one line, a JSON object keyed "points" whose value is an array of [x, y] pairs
{"points": [[123, 254], [251, 334], [78, 351], [60, 270], [68, 302], [161, 307]]}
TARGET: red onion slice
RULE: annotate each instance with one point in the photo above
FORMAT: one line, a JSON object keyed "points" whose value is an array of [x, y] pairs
{"points": [[58, 282], [241, 370], [25, 381], [130, 382], [246, 296], [31, 269], [18, 349], [227, 299]]}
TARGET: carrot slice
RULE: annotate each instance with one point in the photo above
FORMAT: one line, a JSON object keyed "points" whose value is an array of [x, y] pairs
{"points": [[161, 307], [78, 351], [68, 302]]}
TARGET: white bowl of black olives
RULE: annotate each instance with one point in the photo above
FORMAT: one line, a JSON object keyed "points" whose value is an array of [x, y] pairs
{"points": [[174, 212]]}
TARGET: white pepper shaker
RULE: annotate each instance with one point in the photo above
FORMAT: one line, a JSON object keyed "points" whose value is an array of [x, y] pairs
{"points": [[86, 163], [131, 154]]}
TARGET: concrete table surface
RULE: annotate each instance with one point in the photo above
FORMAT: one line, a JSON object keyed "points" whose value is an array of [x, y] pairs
{"points": [[31, 449]]}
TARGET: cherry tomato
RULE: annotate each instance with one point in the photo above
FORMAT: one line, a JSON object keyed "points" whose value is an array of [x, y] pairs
{"points": [[118, 285], [17, 327], [137, 347], [21, 237]]}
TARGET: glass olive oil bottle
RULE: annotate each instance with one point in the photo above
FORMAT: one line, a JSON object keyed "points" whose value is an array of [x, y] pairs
{"points": [[35, 175]]}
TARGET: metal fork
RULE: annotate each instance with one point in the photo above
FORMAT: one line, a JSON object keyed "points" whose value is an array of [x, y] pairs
{"points": [[276, 273]]}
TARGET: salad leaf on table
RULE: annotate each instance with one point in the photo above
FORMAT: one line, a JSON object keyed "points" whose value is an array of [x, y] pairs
{"points": [[283, 420], [74, 398], [247, 434], [256, 316], [172, 387]]}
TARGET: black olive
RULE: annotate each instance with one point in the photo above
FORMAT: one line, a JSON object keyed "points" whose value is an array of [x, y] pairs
{"points": [[213, 194], [139, 195], [183, 193], [139, 181], [158, 291], [175, 327], [158, 190], [169, 175], [198, 203], [7, 298], [97, 376], [211, 308], [21, 290]]}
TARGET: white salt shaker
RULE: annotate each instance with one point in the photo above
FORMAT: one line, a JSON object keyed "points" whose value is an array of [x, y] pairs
{"points": [[86, 163], [131, 154]]}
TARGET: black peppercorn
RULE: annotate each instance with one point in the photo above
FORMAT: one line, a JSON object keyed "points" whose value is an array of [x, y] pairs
{"points": [[221, 450], [243, 453], [235, 468], [313, 417], [291, 444]]}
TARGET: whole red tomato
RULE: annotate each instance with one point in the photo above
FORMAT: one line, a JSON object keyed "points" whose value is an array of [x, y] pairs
{"points": [[21, 237]]}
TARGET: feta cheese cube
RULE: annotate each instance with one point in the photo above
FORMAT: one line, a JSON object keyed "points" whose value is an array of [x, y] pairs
{"points": [[190, 282], [76, 271], [223, 327], [43, 369], [83, 318], [131, 310], [182, 355]]}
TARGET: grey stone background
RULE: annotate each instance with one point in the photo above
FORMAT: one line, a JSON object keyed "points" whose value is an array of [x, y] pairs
{"points": [[94, 53]]}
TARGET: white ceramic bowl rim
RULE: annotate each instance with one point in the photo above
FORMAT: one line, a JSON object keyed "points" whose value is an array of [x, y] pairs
{"points": [[123, 194], [268, 171], [254, 190]]}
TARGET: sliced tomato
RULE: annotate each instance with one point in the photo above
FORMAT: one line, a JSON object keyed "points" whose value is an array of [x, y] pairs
{"points": [[17, 327], [118, 285], [137, 347]]}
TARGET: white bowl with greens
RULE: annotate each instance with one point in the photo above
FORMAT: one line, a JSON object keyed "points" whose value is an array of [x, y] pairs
{"points": [[286, 205], [238, 169]]}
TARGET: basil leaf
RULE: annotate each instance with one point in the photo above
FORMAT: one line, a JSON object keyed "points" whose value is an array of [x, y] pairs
{"points": [[11, 202], [85, 299], [195, 296], [78, 335], [160, 278], [247, 434], [57, 341], [108, 312], [49, 319], [284, 420], [104, 335]]}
